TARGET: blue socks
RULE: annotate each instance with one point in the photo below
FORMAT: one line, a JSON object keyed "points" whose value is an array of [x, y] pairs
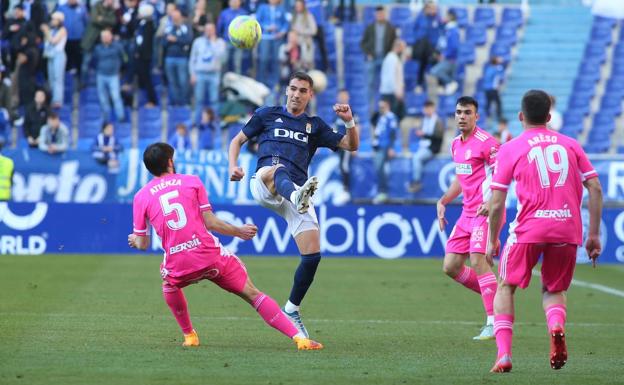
{"points": [[284, 186], [304, 277]]}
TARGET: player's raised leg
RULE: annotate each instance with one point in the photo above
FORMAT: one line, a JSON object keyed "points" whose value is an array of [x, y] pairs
{"points": [[174, 297], [285, 187], [454, 266], [503, 326]]}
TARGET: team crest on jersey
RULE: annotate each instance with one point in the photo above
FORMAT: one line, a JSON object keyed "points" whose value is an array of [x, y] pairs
{"points": [[467, 154], [308, 128]]}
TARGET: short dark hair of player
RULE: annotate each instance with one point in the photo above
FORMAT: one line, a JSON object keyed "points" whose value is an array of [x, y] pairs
{"points": [[503, 121], [301, 76], [468, 101], [156, 158], [429, 103], [536, 106]]}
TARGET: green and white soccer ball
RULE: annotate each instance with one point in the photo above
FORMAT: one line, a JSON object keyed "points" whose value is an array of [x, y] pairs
{"points": [[244, 32]]}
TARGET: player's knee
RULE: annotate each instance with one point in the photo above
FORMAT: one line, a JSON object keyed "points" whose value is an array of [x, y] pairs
{"points": [[168, 288], [451, 269]]}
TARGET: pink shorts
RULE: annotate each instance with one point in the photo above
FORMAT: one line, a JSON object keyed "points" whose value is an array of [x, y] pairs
{"points": [[469, 235], [229, 273], [558, 263]]}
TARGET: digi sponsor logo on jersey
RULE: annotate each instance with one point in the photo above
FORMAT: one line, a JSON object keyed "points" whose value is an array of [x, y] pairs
{"points": [[463, 169], [188, 245], [22, 244], [284, 133]]}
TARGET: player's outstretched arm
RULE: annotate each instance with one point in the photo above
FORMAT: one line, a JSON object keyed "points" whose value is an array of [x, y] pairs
{"points": [[497, 209], [453, 192], [351, 140], [236, 172], [592, 245], [212, 223]]}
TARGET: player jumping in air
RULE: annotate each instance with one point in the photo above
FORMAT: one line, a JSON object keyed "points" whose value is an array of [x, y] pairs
{"points": [[287, 139], [550, 170], [474, 152], [178, 209]]}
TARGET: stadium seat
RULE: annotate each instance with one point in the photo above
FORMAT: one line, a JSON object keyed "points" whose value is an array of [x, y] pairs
{"points": [[506, 34], [149, 129], [573, 117], [89, 128], [466, 53], [512, 16], [484, 16], [613, 103], [584, 85], [414, 103], [597, 148], [462, 16], [580, 101], [601, 35], [590, 69], [123, 130], [572, 130], [89, 94], [476, 34], [602, 21], [368, 15], [178, 114], [89, 111], [399, 15], [408, 33], [410, 71], [501, 49]]}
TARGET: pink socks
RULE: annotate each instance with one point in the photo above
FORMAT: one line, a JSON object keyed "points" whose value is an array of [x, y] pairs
{"points": [[468, 278], [503, 330], [555, 315], [177, 303], [488, 285], [271, 313]]}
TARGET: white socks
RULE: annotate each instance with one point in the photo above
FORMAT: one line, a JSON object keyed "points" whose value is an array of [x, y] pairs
{"points": [[291, 307], [490, 320]]}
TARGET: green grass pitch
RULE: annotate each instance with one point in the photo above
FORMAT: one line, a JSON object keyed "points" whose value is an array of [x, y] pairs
{"points": [[101, 320]]}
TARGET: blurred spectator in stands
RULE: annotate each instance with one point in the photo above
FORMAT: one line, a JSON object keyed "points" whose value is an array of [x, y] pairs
{"points": [[447, 51], [493, 74], [180, 138], [128, 15], [5, 126], [178, 39], [289, 57], [76, 23], [6, 100], [208, 129], [7, 169], [502, 133], [54, 136], [272, 19], [28, 59], [315, 8], [342, 15], [207, 57], [164, 24], [556, 120], [35, 117], [143, 55], [252, 6], [234, 55], [102, 17], [304, 24], [376, 43], [392, 84], [109, 56], [15, 28], [36, 11], [344, 156], [431, 133], [427, 30], [384, 135], [106, 147], [200, 18], [55, 37]]}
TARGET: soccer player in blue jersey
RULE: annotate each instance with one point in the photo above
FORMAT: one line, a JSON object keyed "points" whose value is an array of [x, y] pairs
{"points": [[287, 139]]}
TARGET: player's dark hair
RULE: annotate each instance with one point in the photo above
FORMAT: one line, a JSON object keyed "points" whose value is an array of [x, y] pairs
{"points": [[468, 101], [536, 106], [429, 103], [156, 158], [301, 76], [503, 121], [53, 115]]}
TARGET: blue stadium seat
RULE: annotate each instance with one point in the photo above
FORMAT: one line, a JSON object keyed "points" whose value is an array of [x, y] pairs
{"points": [[476, 34], [369, 15], [580, 101], [573, 117], [123, 130], [506, 34], [408, 33], [466, 53], [590, 69], [597, 148], [501, 49], [584, 85], [89, 128], [484, 16], [462, 16], [89, 94], [414, 103], [178, 114], [512, 16], [399, 15], [89, 111], [612, 103], [620, 150], [601, 35], [410, 71], [572, 130], [602, 21], [597, 52], [150, 129]]}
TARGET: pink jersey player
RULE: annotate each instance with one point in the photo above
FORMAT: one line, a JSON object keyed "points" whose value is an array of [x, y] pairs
{"points": [[550, 170], [178, 209]]}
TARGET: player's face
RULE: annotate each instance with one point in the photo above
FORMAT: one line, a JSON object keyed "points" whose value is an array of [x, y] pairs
{"points": [[466, 117], [298, 94]]}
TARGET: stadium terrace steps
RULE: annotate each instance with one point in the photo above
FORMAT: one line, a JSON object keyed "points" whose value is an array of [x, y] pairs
{"points": [[549, 54]]}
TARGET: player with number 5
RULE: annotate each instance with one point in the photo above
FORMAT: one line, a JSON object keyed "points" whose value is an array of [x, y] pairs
{"points": [[178, 209], [550, 170]]}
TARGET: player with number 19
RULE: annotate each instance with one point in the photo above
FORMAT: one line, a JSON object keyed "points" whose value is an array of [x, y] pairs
{"points": [[550, 170], [178, 209]]}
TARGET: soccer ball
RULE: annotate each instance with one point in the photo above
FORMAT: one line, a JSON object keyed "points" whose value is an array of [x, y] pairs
{"points": [[319, 79], [244, 32]]}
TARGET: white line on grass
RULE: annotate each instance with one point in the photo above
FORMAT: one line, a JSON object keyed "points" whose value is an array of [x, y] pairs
{"points": [[589, 285], [318, 320]]}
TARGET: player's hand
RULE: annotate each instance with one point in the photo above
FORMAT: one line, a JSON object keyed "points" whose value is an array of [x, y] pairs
{"points": [[132, 241], [491, 251], [236, 174], [593, 247], [441, 212], [484, 209], [247, 231], [343, 111]]}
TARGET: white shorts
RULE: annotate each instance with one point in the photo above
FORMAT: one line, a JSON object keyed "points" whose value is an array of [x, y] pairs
{"points": [[297, 223]]}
